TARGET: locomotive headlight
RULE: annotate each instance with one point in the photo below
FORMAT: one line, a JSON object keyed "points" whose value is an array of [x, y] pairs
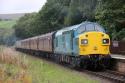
{"points": [[105, 41], [84, 41]]}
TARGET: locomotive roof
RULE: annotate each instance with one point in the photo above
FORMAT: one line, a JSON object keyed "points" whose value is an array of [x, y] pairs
{"points": [[59, 32]]}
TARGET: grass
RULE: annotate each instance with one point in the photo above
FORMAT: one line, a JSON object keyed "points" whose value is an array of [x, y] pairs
{"points": [[21, 68], [7, 24], [44, 72], [13, 67], [7, 32]]}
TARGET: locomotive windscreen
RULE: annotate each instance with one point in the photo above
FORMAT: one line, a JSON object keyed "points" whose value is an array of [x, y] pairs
{"points": [[90, 27]]}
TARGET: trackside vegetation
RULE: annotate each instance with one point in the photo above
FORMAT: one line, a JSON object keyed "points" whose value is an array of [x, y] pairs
{"points": [[7, 23], [13, 67], [56, 14], [17, 67], [47, 72], [7, 34]]}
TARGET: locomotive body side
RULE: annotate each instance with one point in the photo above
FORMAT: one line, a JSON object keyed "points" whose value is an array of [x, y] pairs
{"points": [[63, 44], [64, 41]]}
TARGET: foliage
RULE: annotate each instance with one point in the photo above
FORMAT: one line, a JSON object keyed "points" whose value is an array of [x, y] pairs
{"points": [[7, 24], [7, 36], [111, 13], [24, 26], [56, 14], [13, 67]]}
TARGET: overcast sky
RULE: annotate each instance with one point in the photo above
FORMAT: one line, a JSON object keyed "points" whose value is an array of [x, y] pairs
{"points": [[20, 6]]}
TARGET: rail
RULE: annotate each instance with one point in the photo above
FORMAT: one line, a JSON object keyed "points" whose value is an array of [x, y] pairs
{"points": [[114, 76]]}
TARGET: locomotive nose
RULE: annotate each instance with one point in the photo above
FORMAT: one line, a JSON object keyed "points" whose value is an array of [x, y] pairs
{"points": [[94, 43], [95, 48]]}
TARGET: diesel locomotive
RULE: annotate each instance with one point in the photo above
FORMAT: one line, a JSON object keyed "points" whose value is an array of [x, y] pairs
{"points": [[84, 45]]}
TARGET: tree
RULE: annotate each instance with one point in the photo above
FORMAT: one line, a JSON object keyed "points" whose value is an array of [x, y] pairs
{"points": [[23, 28], [56, 14], [110, 13]]}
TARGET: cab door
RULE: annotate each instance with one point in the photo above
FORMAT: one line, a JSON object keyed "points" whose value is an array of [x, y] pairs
{"points": [[68, 42]]}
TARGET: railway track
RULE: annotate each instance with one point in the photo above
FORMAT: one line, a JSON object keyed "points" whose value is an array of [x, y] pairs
{"points": [[114, 76]]}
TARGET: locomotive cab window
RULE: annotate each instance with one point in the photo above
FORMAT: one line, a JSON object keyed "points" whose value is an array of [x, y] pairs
{"points": [[90, 27], [94, 27], [81, 29], [99, 28]]}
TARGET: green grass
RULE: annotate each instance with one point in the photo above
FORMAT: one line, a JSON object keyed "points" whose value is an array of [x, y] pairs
{"points": [[10, 69], [46, 72], [7, 24]]}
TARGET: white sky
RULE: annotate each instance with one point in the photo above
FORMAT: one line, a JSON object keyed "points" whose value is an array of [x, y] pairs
{"points": [[20, 6]]}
